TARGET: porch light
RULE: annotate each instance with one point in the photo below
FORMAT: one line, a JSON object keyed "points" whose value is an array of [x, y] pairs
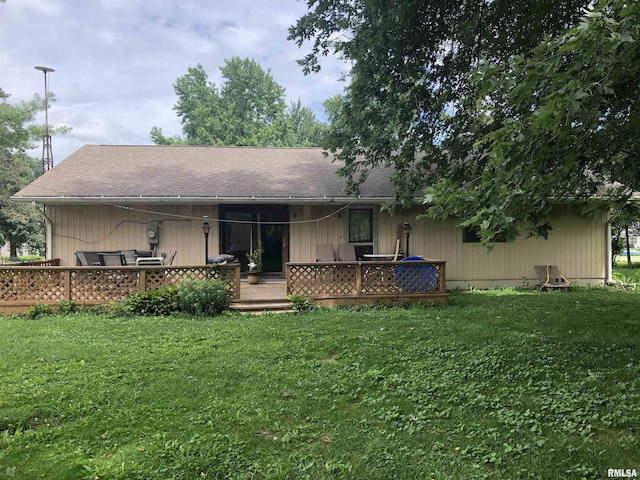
{"points": [[407, 232], [206, 228]]}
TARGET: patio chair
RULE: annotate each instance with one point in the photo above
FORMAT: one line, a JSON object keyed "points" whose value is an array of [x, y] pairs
{"points": [[112, 259], [324, 254], [87, 259], [549, 277], [82, 259], [129, 256], [346, 252]]}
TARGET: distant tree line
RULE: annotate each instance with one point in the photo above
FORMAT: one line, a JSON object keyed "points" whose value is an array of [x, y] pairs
{"points": [[248, 108]]}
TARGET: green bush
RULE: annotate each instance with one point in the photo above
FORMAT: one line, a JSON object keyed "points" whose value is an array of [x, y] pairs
{"points": [[300, 303], [158, 302], [203, 297]]}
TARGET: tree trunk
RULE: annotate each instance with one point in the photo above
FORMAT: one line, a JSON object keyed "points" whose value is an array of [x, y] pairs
{"points": [[13, 251], [626, 232]]}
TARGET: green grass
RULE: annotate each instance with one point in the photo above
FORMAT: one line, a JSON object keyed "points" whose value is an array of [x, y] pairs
{"points": [[627, 277], [501, 384]]}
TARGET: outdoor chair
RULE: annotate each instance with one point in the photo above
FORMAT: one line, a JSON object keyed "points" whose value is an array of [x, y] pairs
{"points": [[82, 259], [324, 254], [549, 277], [87, 259], [129, 256], [112, 259], [346, 252]]}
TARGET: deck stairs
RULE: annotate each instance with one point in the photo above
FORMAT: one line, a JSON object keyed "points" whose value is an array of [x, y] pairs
{"points": [[264, 297]]}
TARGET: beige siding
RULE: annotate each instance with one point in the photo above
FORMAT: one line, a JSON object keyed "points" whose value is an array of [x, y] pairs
{"points": [[578, 245], [105, 227]]}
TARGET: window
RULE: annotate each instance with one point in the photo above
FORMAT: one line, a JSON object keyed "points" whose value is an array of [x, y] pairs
{"points": [[470, 235], [361, 225], [360, 230]]}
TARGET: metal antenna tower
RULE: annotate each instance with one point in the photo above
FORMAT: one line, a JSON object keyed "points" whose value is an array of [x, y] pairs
{"points": [[47, 154]]}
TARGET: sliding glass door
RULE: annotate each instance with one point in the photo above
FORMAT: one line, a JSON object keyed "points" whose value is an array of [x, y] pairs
{"points": [[245, 228]]}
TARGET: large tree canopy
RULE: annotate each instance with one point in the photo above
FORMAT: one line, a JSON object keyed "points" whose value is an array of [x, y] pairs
{"points": [[19, 223], [495, 109], [248, 109]]}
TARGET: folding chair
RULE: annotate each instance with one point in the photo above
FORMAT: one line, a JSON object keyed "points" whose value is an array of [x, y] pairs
{"points": [[549, 276]]}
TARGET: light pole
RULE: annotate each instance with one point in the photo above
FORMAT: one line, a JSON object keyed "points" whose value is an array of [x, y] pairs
{"points": [[407, 232], [47, 154], [206, 228]]}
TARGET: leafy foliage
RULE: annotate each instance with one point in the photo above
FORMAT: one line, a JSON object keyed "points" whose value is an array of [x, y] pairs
{"points": [[203, 297], [247, 109], [301, 304], [494, 110], [157, 302], [20, 224]]}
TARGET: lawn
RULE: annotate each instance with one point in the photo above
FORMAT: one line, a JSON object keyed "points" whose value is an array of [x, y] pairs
{"points": [[500, 384]]}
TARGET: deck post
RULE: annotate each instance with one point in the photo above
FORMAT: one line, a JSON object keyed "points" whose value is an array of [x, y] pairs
{"points": [[143, 280], [67, 285], [358, 278]]}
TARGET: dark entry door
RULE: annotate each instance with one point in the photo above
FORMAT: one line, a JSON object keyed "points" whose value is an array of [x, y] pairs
{"points": [[244, 228]]}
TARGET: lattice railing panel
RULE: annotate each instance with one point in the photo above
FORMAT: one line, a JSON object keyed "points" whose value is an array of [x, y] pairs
{"points": [[417, 278], [322, 279], [42, 285], [378, 279], [108, 285], [177, 275], [101, 284], [341, 279]]}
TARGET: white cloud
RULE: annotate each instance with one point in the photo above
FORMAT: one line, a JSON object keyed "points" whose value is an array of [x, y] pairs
{"points": [[116, 60]]}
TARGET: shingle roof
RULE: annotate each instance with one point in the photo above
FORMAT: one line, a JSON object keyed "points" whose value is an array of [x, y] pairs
{"points": [[194, 173]]}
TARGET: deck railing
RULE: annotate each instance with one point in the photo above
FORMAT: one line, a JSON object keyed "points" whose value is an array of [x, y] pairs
{"points": [[351, 282], [25, 286]]}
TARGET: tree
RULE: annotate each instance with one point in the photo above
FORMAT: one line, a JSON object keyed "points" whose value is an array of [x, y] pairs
{"points": [[494, 109], [247, 109], [19, 223]]}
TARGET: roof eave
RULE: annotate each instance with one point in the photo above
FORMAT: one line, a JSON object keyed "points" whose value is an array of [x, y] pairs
{"points": [[141, 199]]}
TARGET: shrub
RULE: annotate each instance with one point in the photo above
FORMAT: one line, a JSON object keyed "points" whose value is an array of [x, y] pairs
{"points": [[38, 310], [300, 303], [203, 297], [158, 302]]}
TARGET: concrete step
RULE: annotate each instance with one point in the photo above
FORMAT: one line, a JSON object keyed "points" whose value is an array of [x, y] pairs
{"points": [[261, 306]]}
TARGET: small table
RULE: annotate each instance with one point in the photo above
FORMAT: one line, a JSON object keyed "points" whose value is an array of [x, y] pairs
{"points": [[150, 261], [381, 257]]}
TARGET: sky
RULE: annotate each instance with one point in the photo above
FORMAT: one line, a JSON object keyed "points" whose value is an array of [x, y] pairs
{"points": [[116, 61]]}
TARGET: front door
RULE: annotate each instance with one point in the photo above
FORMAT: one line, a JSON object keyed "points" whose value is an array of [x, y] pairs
{"points": [[245, 228]]}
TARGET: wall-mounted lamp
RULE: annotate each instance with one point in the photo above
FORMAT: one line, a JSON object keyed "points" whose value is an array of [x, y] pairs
{"points": [[206, 228], [407, 232]]}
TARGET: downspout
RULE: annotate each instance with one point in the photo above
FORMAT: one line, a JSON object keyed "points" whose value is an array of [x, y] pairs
{"points": [[48, 231], [609, 280]]}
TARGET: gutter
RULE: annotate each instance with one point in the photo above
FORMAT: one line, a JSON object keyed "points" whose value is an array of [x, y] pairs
{"points": [[198, 200]]}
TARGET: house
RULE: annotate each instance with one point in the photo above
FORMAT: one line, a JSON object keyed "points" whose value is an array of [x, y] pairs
{"points": [[284, 200]]}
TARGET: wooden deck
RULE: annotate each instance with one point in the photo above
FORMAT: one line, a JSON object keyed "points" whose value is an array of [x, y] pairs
{"points": [[333, 283]]}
